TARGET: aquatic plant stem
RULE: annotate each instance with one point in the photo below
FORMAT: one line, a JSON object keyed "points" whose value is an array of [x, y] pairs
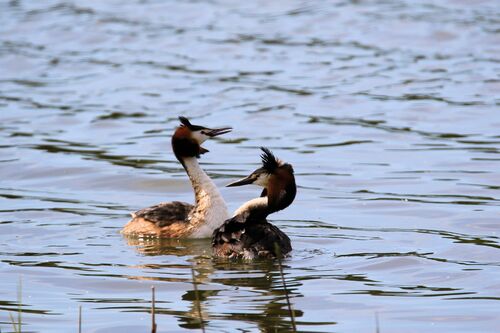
{"points": [[277, 251], [198, 305], [17, 329], [13, 322], [19, 304], [153, 321], [80, 319]]}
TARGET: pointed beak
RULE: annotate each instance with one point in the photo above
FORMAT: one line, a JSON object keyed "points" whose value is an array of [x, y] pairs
{"points": [[244, 181], [219, 131]]}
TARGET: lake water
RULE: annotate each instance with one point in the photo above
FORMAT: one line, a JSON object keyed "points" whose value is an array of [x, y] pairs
{"points": [[388, 111]]}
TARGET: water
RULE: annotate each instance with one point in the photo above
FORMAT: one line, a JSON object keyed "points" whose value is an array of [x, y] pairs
{"points": [[388, 111]]}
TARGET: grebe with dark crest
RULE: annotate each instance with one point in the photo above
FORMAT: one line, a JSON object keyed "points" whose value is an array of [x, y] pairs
{"points": [[179, 219], [248, 234]]}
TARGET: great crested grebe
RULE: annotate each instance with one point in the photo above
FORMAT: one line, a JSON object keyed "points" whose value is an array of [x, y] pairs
{"points": [[248, 234], [179, 219]]}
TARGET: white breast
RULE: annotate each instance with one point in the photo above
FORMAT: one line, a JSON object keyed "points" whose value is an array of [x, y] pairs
{"points": [[210, 210]]}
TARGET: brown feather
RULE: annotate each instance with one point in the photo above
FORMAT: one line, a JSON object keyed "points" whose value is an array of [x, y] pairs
{"points": [[144, 228]]}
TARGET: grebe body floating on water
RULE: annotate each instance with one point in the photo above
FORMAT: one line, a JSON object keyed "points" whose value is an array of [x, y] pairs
{"points": [[248, 234], [179, 219]]}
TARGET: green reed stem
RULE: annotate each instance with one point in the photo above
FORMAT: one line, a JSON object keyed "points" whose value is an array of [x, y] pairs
{"points": [[19, 303], [80, 319], [19, 308], [13, 323], [153, 310], [277, 251]]}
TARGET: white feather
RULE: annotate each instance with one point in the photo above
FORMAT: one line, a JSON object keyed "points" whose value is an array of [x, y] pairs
{"points": [[249, 205], [210, 210], [199, 136], [262, 180]]}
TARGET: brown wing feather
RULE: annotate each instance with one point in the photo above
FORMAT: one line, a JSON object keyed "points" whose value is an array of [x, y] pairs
{"points": [[165, 213]]}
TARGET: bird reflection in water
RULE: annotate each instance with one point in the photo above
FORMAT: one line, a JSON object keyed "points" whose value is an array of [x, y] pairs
{"points": [[267, 309], [262, 277]]}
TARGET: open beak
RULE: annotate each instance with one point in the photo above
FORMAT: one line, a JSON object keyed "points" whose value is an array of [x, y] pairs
{"points": [[244, 181], [219, 131]]}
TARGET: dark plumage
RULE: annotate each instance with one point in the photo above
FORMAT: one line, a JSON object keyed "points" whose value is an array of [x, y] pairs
{"points": [[248, 234], [249, 240], [184, 121], [165, 213], [269, 162]]}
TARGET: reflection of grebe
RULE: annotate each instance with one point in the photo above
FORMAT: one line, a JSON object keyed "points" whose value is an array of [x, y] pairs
{"points": [[181, 247], [248, 234], [178, 219]]}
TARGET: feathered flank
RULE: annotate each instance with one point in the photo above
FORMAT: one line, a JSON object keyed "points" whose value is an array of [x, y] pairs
{"points": [[269, 161]]}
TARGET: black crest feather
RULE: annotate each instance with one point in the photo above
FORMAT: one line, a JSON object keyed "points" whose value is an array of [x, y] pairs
{"points": [[269, 161], [185, 121]]}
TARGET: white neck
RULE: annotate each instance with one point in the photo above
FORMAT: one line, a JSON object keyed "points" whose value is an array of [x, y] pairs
{"points": [[251, 204], [243, 212], [210, 209]]}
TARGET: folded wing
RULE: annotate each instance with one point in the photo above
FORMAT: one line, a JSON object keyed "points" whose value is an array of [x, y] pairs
{"points": [[165, 213]]}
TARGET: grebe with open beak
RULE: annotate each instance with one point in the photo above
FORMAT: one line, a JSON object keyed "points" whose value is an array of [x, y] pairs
{"points": [[248, 234], [179, 219]]}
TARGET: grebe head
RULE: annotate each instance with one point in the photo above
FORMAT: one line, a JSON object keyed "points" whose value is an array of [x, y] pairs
{"points": [[187, 138], [277, 178]]}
